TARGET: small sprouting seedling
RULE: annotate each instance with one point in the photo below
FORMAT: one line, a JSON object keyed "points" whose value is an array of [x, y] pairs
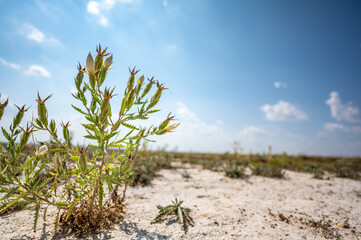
{"points": [[175, 209]]}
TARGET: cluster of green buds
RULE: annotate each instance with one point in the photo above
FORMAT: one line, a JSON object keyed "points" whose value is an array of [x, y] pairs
{"points": [[2, 107], [42, 111], [97, 69]]}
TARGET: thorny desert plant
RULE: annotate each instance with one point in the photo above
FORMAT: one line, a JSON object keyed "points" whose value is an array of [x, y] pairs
{"points": [[82, 186], [175, 209]]}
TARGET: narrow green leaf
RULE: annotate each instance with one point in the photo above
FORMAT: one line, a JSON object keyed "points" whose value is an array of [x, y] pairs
{"points": [[58, 150], [79, 110], [110, 136], [25, 164], [180, 215], [129, 126], [37, 209], [12, 202], [6, 135], [10, 193]]}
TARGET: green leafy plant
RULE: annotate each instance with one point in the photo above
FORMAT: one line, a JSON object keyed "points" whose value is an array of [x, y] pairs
{"points": [[345, 172], [146, 168], [268, 171], [82, 182], [175, 209], [317, 172], [234, 169]]}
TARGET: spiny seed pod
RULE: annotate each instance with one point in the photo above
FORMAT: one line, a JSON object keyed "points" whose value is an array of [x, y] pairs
{"points": [[79, 77], [132, 77], [42, 111], [25, 136], [130, 98], [66, 132], [105, 107], [19, 116], [155, 98], [148, 87], [98, 62], [166, 122], [83, 160], [100, 57], [2, 107]]}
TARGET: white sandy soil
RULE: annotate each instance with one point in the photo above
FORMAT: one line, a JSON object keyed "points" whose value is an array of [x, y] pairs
{"points": [[297, 207]]}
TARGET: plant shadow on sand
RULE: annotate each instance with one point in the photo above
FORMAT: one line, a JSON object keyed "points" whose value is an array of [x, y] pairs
{"points": [[48, 235], [131, 227]]}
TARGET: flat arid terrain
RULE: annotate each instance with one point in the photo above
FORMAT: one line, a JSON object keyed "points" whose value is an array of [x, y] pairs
{"points": [[296, 207]]}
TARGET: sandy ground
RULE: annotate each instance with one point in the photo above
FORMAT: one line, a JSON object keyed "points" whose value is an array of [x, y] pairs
{"points": [[297, 207]]}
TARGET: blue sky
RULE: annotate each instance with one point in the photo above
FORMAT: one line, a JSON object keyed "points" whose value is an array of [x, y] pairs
{"points": [[280, 73]]}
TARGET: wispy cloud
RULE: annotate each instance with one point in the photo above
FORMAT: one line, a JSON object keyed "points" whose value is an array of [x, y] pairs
{"points": [[337, 127], [171, 48], [104, 21], [280, 85], [343, 112], [38, 71], [195, 134], [183, 112], [283, 111], [165, 3], [252, 130], [34, 34], [9, 64], [97, 7]]}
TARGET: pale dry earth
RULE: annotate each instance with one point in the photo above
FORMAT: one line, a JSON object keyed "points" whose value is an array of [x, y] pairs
{"points": [[297, 207]]}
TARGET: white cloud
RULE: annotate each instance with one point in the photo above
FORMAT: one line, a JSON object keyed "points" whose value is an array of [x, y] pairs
{"points": [[36, 35], [93, 7], [252, 130], [104, 21], [337, 127], [97, 7], [9, 64], [165, 3], [38, 71], [109, 4], [220, 122], [280, 85], [343, 112], [184, 113], [334, 127], [194, 134], [283, 111]]}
